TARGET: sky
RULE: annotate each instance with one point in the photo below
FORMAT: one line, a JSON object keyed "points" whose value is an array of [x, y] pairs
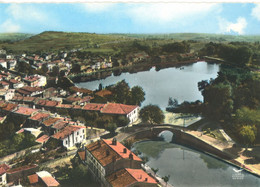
{"points": [[148, 17]]}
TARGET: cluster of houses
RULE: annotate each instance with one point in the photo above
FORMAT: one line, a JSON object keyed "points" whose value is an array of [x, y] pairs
{"points": [[112, 164], [11, 176]]}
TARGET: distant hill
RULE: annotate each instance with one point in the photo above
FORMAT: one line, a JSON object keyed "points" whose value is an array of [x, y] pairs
{"points": [[12, 37], [103, 43], [55, 41]]}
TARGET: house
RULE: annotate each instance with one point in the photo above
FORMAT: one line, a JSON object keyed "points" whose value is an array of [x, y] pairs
{"points": [[6, 94], [70, 135], [14, 175], [43, 178], [35, 80], [3, 170], [15, 84], [131, 177], [11, 63], [43, 139], [30, 91], [4, 84], [130, 111], [105, 157], [3, 63], [36, 119], [33, 131], [47, 124], [93, 107], [8, 107], [24, 111]]}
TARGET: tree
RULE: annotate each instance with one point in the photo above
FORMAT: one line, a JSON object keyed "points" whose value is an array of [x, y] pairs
{"points": [[121, 92], [137, 95], [166, 179], [155, 171], [100, 87], [151, 114], [172, 103], [111, 127], [248, 134], [122, 121]]}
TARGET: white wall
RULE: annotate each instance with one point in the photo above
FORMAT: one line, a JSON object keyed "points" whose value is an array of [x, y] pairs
{"points": [[133, 116]]}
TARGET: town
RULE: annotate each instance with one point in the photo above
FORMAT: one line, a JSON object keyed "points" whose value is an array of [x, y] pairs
{"points": [[37, 115]]}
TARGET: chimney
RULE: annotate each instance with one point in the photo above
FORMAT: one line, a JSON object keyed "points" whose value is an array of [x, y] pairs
{"points": [[124, 150], [146, 179], [114, 141], [131, 156]]}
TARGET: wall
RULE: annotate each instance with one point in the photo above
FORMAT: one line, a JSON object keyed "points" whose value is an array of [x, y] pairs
{"points": [[18, 154]]}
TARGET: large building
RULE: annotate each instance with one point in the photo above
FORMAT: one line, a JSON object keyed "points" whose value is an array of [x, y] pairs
{"points": [[105, 157]]}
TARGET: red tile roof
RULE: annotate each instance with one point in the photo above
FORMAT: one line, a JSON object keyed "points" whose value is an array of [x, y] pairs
{"points": [[22, 168], [39, 116], [50, 181], [103, 93], [33, 178], [93, 106], [42, 139], [59, 125], [68, 130], [29, 99], [105, 153], [43, 102], [25, 111], [31, 89], [64, 106], [140, 175], [4, 83], [3, 168], [115, 108], [51, 121], [10, 107], [126, 177], [31, 78], [81, 90]]}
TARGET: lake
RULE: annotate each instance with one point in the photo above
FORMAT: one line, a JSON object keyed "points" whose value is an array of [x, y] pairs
{"points": [[177, 82], [188, 167]]}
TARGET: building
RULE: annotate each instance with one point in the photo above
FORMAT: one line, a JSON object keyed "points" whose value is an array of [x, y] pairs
{"points": [[3, 63], [70, 135], [3, 170], [43, 178], [129, 111], [105, 157], [30, 91], [131, 177], [6, 94], [35, 80]]}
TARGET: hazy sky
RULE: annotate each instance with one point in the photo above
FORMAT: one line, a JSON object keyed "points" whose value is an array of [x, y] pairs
{"points": [[225, 18]]}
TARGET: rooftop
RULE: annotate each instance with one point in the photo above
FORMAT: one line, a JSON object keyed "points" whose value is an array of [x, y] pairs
{"points": [[103, 93], [68, 130], [22, 168], [105, 152], [115, 108], [9, 107], [42, 139], [59, 125], [51, 121], [93, 106], [33, 178], [39, 116], [126, 177], [25, 111], [3, 168]]}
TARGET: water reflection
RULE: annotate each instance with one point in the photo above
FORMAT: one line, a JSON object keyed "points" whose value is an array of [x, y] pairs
{"points": [[188, 167]]}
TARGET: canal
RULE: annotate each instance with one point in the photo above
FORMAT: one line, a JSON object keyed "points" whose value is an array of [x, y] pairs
{"points": [[188, 167]]}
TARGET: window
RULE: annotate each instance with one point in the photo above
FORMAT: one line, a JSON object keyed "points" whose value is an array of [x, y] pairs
{"points": [[77, 133], [66, 142], [83, 131]]}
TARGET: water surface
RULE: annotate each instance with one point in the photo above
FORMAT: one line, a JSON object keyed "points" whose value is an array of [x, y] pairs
{"points": [[188, 167], [180, 83]]}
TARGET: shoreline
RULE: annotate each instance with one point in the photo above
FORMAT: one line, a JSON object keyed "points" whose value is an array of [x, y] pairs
{"points": [[131, 69]]}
